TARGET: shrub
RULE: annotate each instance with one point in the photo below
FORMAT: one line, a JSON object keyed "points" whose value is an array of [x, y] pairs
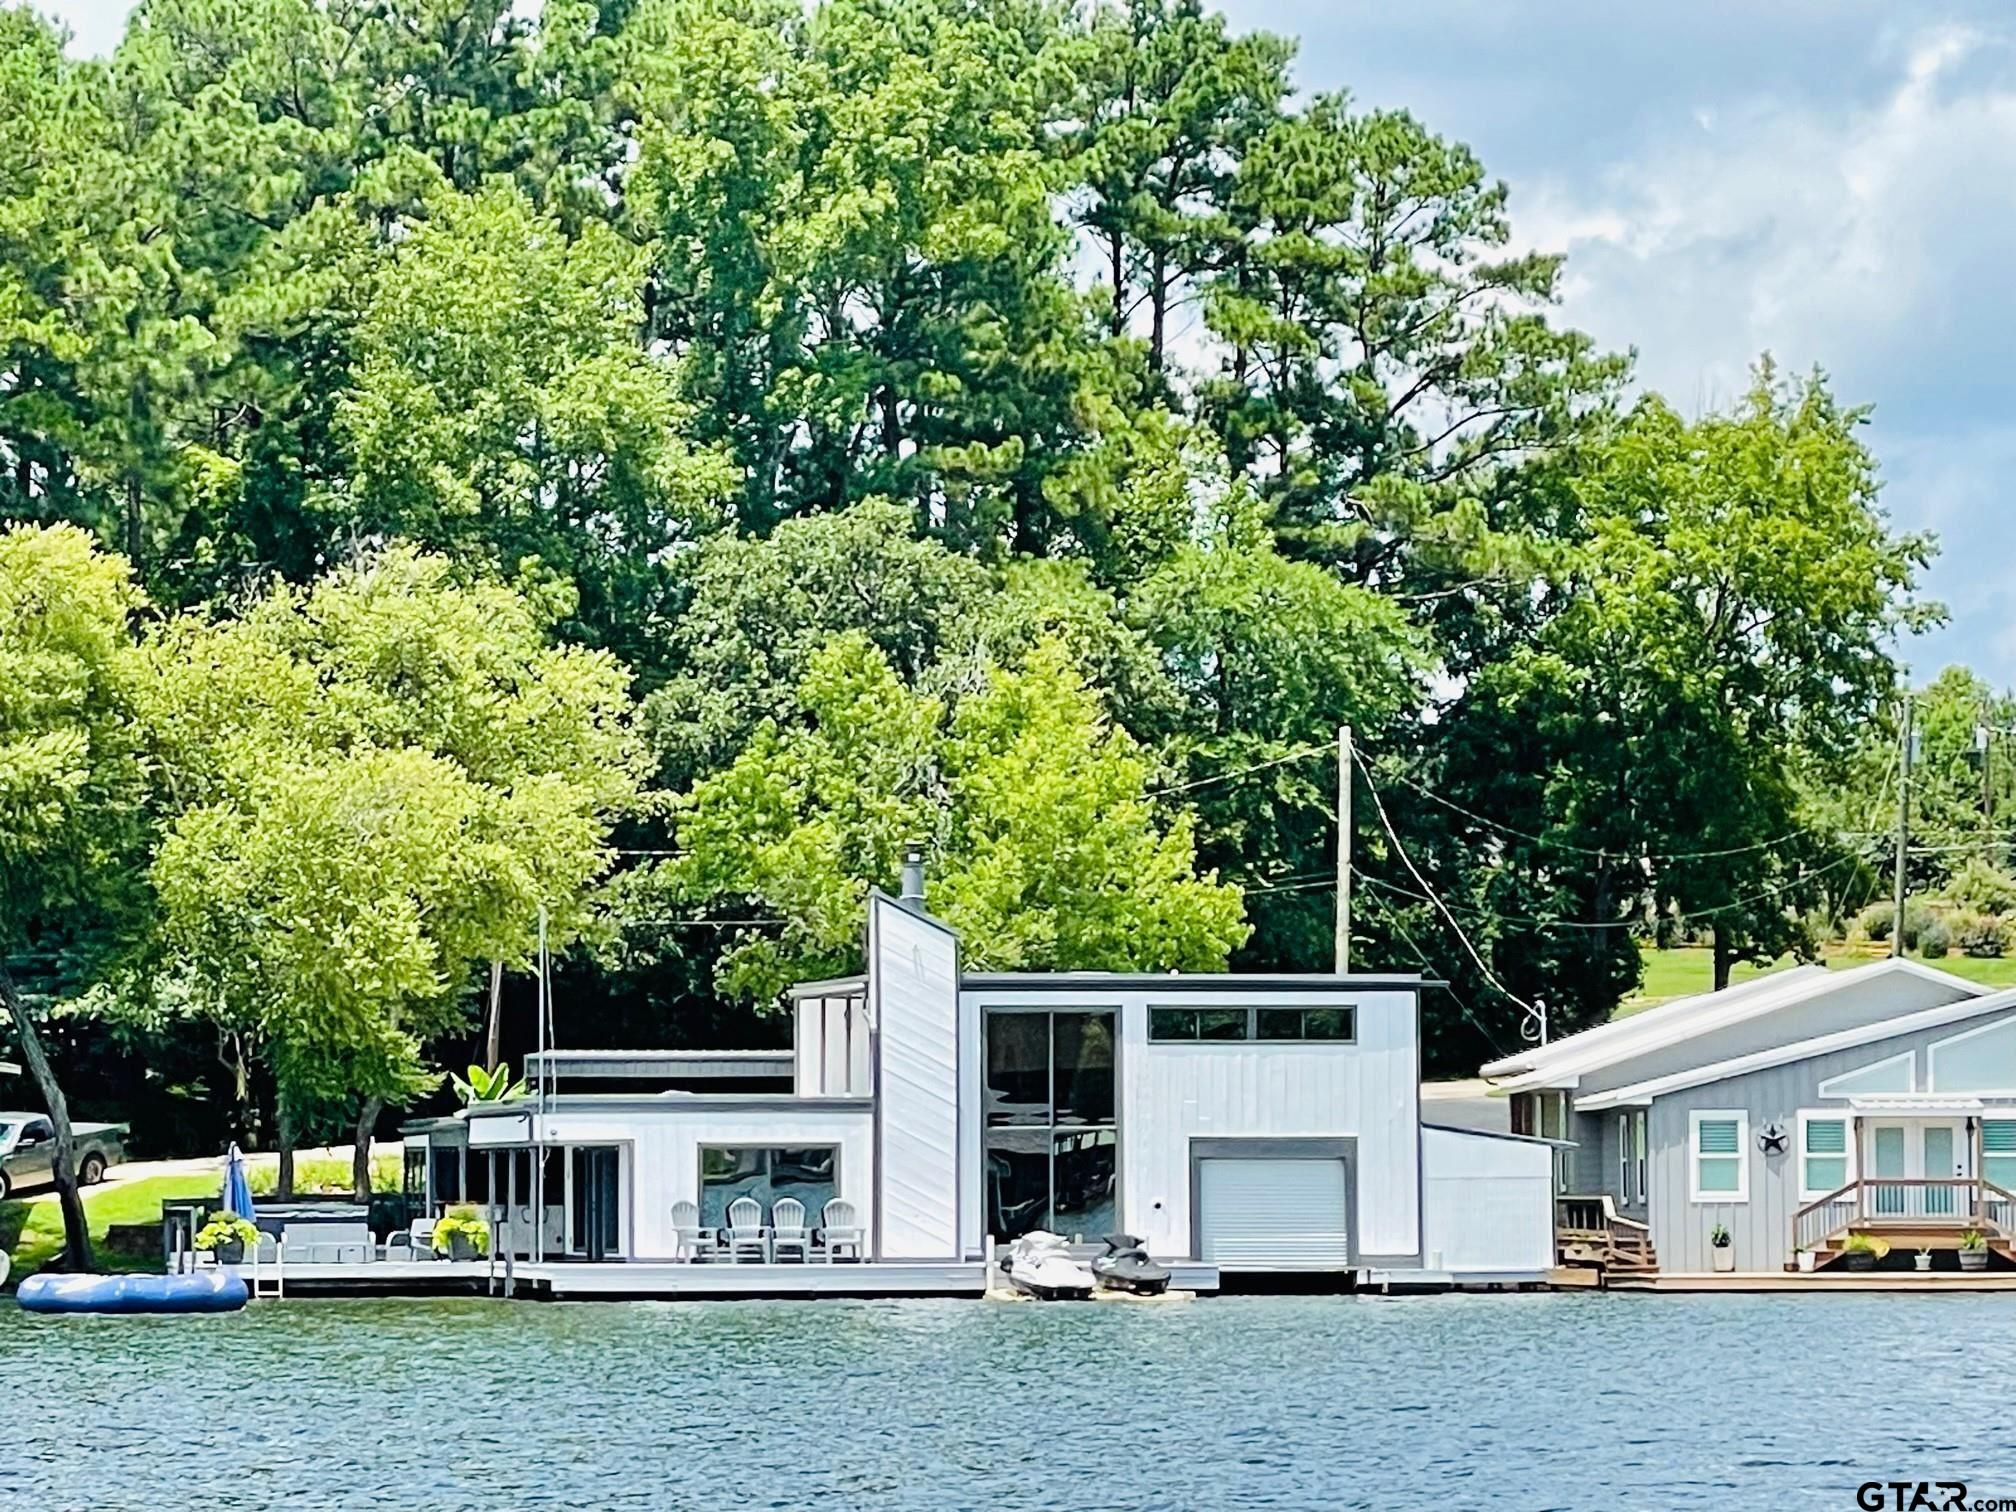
{"points": [[1980, 935], [1983, 888], [1866, 1243], [1934, 940], [1875, 920]]}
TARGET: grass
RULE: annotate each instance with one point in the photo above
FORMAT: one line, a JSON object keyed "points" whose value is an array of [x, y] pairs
{"points": [[322, 1177], [1691, 969], [31, 1229]]}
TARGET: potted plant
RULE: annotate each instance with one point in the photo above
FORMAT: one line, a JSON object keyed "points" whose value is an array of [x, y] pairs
{"points": [[461, 1234], [1973, 1251], [1862, 1251], [1807, 1257], [1720, 1249], [1922, 1260], [226, 1236]]}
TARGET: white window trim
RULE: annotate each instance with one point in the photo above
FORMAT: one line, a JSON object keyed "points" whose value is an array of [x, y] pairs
{"points": [[2000, 1025], [1624, 1158], [1825, 1115], [1695, 1119], [1909, 1058], [1639, 1141]]}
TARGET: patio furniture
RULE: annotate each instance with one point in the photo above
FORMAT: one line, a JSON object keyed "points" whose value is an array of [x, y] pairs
{"points": [[329, 1243], [787, 1229], [689, 1240], [744, 1230], [415, 1242], [839, 1230]]}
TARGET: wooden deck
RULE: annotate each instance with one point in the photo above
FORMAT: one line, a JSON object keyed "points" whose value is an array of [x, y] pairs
{"points": [[1817, 1281], [638, 1279]]}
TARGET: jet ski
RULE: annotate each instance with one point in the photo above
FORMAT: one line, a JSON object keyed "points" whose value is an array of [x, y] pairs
{"points": [[1040, 1265], [1125, 1267]]}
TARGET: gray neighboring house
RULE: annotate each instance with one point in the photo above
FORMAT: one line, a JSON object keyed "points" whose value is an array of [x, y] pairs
{"points": [[1793, 1110]]}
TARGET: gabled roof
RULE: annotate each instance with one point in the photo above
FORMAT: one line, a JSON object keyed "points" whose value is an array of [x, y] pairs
{"points": [[1978, 1006], [1564, 1062]]}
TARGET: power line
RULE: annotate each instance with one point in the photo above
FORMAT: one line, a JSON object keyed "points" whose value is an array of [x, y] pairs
{"points": [[1613, 855], [1258, 766], [1400, 850]]}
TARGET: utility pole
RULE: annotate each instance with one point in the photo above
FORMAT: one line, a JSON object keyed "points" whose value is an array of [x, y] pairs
{"points": [[1344, 759], [1903, 828]]}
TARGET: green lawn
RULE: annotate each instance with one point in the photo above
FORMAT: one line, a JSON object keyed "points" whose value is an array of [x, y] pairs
{"points": [[1678, 973], [31, 1229]]}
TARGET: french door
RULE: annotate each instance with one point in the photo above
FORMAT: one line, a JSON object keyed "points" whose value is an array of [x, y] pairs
{"points": [[1905, 1153]]}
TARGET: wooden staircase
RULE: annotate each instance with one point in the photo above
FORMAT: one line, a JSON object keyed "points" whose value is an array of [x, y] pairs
{"points": [[1589, 1232]]}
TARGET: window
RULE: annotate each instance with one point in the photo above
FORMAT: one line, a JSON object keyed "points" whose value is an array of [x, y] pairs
{"points": [[1718, 1164], [1638, 1151], [1624, 1157], [1052, 1122], [1998, 1152], [1825, 1161], [1336, 1025], [766, 1173]]}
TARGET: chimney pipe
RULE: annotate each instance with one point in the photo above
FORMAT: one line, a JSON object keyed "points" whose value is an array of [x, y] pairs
{"points": [[912, 896]]}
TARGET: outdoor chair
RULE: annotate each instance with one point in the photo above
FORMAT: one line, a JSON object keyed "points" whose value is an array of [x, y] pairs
{"points": [[787, 1229], [412, 1243], [744, 1230], [689, 1240], [839, 1230]]}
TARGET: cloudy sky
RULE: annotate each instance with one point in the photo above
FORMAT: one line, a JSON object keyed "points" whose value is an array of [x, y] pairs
{"points": [[1826, 180]]}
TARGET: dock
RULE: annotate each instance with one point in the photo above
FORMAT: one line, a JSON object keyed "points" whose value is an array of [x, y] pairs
{"points": [[1813, 1281], [644, 1280]]}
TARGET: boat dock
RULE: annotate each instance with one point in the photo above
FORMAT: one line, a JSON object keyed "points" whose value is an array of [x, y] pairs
{"points": [[641, 1280]]}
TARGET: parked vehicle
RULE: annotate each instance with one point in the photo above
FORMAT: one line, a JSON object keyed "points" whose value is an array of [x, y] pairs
{"points": [[1126, 1267], [28, 1151], [1040, 1265]]}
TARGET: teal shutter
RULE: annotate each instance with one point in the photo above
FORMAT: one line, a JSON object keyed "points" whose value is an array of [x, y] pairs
{"points": [[1718, 1136], [1718, 1156], [1826, 1155], [1998, 1152]]}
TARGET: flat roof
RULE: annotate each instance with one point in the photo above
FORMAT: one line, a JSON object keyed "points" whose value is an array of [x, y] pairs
{"points": [[1194, 981], [645, 1065]]}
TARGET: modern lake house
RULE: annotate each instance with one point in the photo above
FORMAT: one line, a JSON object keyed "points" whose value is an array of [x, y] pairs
{"points": [[1237, 1124], [1792, 1114]]}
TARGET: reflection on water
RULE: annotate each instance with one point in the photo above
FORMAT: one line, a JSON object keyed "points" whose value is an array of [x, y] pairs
{"points": [[1280, 1402]]}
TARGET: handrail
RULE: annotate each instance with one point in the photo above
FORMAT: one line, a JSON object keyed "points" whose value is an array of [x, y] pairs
{"points": [[1902, 1199]]}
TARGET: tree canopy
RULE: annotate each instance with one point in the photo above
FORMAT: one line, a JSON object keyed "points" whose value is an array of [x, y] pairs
{"points": [[700, 446]]}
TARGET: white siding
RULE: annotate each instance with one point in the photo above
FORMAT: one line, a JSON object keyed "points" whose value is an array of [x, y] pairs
{"points": [[1488, 1204], [661, 1153], [1173, 1093], [913, 967]]}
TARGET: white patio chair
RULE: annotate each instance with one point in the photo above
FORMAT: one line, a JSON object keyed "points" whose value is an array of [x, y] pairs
{"points": [[745, 1231], [787, 1229], [689, 1240], [839, 1230]]}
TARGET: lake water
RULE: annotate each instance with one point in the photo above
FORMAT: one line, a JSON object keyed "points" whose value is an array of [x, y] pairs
{"points": [[1283, 1402]]}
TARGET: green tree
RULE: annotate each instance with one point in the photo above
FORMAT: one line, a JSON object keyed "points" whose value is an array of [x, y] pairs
{"points": [[380, 781], [1048, 851], [72, 785]]}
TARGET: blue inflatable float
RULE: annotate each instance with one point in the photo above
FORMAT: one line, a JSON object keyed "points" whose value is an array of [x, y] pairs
{"points": [[204, 1292]]}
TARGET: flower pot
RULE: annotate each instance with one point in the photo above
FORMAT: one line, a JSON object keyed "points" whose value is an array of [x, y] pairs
{"points": [[1858, 1260], [230, 1252], [1807, 1259], [461, 1247], [1922, 1262], [1723, 1256], [1974, 1260]]}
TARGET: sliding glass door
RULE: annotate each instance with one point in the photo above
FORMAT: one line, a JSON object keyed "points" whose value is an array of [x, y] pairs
{"points": [[1052, 1137]]}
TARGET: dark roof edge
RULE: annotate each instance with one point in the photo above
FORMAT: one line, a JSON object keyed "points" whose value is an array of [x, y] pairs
{"points": [[1008, 981]]}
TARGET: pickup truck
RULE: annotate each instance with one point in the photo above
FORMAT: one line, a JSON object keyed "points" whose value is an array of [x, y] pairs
{"points": [[28, 1150]]}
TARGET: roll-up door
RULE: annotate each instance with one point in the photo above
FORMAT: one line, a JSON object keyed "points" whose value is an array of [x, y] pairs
{"points": [[1273, 1214]]}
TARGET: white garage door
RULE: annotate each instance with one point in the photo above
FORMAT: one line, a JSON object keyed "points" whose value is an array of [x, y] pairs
{"points": [[1273, 1214]]}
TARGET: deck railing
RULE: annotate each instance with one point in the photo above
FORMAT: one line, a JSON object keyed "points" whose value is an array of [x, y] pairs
{"points": [[1957, 1202], [1595, 1222]]}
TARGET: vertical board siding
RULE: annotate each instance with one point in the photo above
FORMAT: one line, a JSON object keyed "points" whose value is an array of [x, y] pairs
{"points": [[914, 989], [1760, 1229], [1487, 1203]]}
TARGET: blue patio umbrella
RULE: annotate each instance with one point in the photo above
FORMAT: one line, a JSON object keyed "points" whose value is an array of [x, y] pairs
{"points": [[237, 1190]]}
